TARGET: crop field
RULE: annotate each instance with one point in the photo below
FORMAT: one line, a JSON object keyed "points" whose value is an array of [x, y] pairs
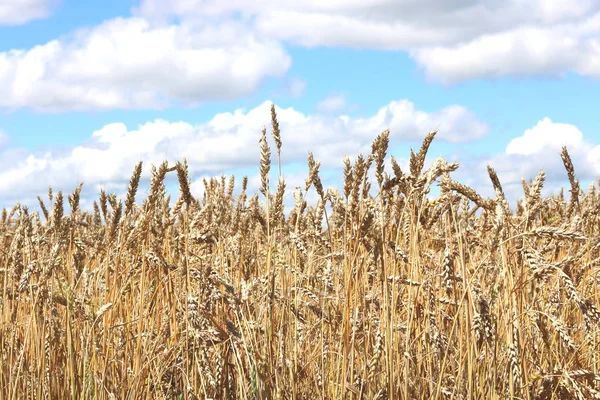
{"points": [[378, 290]]}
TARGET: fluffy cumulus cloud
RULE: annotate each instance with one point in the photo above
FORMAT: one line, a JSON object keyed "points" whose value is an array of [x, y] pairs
{"points": [[129, 63], [519, 52], [185, 52], [229, 141], [546, 135], [538, 148], [451, 40], [16, 12]]}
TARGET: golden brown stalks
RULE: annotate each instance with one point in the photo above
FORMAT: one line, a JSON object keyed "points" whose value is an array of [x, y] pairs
{"points": [[393, 295]]}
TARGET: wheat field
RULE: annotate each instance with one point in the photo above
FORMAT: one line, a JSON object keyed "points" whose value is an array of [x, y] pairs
{"points": [[376, 291]]}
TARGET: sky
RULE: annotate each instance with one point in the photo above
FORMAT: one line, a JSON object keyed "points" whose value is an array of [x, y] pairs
{"points": [[90, 88]]}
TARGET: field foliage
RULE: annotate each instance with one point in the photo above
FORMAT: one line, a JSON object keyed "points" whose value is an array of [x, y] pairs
{"points": [[377, 290]]}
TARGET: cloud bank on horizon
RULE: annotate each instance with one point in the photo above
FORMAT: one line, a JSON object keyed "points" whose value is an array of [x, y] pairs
{"points": [[168, 58]]}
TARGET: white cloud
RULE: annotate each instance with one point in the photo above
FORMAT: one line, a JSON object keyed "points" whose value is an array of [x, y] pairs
{"points": [[223, 50], [451, 40], [538, 148], [545, 135], [129, 63], [17, 12], [228, 141], [331, 104], [519, 52]]}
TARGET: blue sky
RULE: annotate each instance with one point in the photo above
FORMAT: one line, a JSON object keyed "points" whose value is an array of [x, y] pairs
{"points": [[90, 88]]}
